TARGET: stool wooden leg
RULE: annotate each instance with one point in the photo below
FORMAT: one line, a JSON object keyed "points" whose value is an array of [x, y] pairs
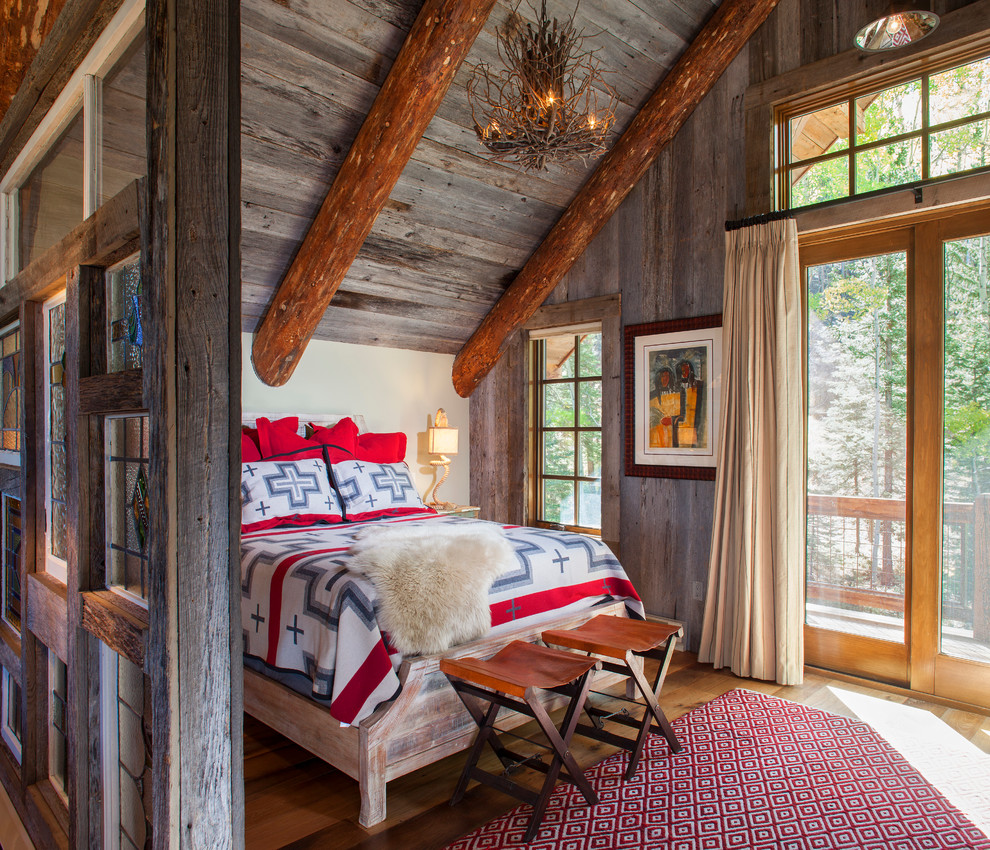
{"points": [[652, 711], [485, 730], [560, 741]]}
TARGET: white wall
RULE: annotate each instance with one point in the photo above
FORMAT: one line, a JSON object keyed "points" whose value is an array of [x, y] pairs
{"points": [[396, 390]]}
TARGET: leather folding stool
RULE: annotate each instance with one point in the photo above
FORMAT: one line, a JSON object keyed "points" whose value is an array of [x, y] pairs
{"points": [[622, 643], [510, 679]]}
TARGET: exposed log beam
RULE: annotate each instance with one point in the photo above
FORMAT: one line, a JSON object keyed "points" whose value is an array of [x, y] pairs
{"points": [[691, 78], [23, 27], [438, 41]]}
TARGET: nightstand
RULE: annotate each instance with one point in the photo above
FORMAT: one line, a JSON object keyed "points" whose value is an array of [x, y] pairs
{"points": [[461, 510]]}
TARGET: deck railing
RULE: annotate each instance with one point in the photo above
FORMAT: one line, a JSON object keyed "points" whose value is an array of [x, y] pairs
{"points": [[856, 556]]}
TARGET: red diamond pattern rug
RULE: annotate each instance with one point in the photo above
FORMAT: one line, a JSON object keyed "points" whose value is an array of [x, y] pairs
{"points": [[756, 772]]}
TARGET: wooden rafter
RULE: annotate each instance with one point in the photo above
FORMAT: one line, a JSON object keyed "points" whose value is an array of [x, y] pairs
{"points": [[657, 123], [437, 43]]}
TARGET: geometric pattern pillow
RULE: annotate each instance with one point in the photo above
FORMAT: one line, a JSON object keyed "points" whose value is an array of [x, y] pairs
{"points": [[370, 490], [286, 492]]}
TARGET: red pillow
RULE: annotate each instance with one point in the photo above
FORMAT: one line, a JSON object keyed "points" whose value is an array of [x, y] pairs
{"points": [[382, 448], [340, 440], [290, 423], [250, 453], [275, 441]]}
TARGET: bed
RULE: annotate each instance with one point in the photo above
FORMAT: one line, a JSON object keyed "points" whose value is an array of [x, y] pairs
{"points": [[320, 669]]}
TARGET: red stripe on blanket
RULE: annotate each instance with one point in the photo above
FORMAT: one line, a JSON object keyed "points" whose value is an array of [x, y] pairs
{"points": [[546, 600], [362, 684], [275, 599]]}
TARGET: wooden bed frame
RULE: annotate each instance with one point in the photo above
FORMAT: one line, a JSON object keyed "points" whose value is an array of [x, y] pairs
{"points": [[425, 723]]}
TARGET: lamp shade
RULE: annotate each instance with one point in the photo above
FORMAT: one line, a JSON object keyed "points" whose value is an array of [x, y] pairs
{"points": [[898, 28], [443, 441]]}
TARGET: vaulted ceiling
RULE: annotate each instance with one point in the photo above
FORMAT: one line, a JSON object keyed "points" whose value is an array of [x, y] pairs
{"points": [[457, 227]]}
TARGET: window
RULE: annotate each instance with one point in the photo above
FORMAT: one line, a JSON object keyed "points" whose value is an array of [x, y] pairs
{"points": [[904, 133], [10, 395], [89, 146], [568, 429], [56, 538], [11, 530], [10, 713], [50, 201], [58, 738]]}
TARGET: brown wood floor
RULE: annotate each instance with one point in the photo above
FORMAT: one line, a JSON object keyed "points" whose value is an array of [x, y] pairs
{"points": [[295, 800]]}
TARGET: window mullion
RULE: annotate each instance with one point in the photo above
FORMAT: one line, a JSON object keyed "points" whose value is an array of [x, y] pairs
{"points": [[853, 148], [92, 143]]}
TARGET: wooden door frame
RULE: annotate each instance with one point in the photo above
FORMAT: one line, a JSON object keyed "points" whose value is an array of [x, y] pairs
{"points": [[916, 664]]}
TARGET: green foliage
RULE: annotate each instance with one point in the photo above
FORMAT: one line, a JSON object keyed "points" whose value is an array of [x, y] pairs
{"points": [[566, 404]]}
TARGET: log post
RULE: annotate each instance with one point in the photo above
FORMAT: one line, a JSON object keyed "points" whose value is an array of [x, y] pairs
{"points": [[191, 373], [439, 40], [657, 123], [981, 569]]}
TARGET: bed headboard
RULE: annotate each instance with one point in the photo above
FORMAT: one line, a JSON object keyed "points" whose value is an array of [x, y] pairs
{"points": [[250, 419]]}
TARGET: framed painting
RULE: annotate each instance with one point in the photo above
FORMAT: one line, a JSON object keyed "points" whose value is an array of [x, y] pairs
{"points": [[673, 391]]}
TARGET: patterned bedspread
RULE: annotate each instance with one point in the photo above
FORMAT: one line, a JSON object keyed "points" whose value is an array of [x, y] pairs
{"points": [[310, 622]]}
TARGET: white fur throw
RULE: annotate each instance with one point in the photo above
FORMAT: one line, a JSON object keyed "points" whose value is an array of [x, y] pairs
{"points": [[432, 580]]}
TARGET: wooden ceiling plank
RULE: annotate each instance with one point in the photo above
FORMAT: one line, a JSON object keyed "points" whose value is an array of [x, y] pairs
{"points": [[665, 113], [438, 41]]}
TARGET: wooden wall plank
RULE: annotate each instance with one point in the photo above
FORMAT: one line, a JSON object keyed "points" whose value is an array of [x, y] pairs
{"points": [[119, 392], [33, 527]]}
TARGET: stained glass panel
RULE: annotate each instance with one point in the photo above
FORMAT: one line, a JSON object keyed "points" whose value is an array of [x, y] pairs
{"points": [[133, 768], [10, 392], [58, 531], [10, 713], [58, 745], [125, 315], [129, 504], [12, 560]]}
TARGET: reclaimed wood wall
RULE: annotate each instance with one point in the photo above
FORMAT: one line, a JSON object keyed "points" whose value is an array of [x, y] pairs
{"points": [[664, 251]]}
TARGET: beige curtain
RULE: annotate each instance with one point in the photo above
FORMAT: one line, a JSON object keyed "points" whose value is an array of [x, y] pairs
{"points": [[754, 610]]}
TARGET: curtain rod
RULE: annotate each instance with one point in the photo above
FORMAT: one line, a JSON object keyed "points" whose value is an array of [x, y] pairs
{"points": [[757, 219]]}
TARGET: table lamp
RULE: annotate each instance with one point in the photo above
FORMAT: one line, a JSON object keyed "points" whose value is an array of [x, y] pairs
{"points": [[442, 441]]}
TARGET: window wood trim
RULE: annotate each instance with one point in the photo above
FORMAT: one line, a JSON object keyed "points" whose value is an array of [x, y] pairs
{"points": [[606, 309], [118, 622]]}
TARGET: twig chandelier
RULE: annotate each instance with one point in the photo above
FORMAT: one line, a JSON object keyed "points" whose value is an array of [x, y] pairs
{"points": [[550, 103]]}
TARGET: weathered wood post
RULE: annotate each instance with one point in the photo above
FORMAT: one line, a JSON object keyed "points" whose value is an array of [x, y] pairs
{"points": [[981, 569], [192, 373]]}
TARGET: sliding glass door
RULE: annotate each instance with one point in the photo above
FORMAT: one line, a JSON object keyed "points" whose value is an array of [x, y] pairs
{"points": [[898, 467]]}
